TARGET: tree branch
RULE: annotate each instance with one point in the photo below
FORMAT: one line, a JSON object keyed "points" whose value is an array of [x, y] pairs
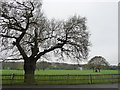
{"points": [[59, 45], [35, 48], [13, 59], [8, 36], [22, 4], [12, 26], [20, 37], [21, 50]]}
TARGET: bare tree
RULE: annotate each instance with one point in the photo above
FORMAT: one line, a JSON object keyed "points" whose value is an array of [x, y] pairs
{"points": [[28, 34]]}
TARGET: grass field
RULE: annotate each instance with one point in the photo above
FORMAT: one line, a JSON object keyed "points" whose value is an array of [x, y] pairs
{"points": [[60, 72], [48, 80]]}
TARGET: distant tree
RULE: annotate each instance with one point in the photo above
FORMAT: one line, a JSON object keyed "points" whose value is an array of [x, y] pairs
{"points": [[118, 64], [97, 62], [4, 66], [53, 66], [13, 65], [26, 33], [42, 65], [16, 65]]}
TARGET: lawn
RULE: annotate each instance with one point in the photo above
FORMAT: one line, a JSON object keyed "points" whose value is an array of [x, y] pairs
{"points": [[62, 77], [61, 72]]}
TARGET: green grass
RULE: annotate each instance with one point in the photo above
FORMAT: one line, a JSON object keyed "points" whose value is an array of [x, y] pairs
{"points": [[62, 79], [61, 72]]}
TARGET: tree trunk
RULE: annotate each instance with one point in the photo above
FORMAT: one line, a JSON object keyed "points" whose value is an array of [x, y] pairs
{"points": [[99, 69], [96, 70], [93, 69], [29, 69]]}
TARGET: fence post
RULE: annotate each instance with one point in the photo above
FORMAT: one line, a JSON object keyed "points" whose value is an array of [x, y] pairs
{"points": [[67, 78], [13, 75], [112, 78], [90, 79]]}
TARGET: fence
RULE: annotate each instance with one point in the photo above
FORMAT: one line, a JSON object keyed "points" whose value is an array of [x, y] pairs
{"points": [[64, 79]]}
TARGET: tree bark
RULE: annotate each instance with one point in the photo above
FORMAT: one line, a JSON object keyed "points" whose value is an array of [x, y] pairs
{"points": [[99, 69], [29, 69], [93, 69]]}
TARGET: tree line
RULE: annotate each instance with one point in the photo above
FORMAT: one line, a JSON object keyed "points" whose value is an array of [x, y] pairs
{"points": [[53, 66], [39, 66]]}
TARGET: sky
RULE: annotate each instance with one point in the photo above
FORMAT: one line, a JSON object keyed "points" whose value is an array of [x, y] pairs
{"points": [[102, 23]]}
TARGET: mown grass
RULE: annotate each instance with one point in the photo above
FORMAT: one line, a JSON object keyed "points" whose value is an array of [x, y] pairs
{"points": [[61, 72], [61, 80]]}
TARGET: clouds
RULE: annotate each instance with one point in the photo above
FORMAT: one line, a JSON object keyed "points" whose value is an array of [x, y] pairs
{"points": [[104, 29], [102, 22]]}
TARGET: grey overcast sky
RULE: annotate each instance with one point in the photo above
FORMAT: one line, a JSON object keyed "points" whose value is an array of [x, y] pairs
{"points": [[102, 23]]}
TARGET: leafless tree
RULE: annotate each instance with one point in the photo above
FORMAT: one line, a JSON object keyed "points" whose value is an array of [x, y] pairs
{"points": [[28, 34]]}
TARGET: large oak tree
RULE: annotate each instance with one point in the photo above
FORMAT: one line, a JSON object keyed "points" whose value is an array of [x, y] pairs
{"points": [[29, 35]]}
